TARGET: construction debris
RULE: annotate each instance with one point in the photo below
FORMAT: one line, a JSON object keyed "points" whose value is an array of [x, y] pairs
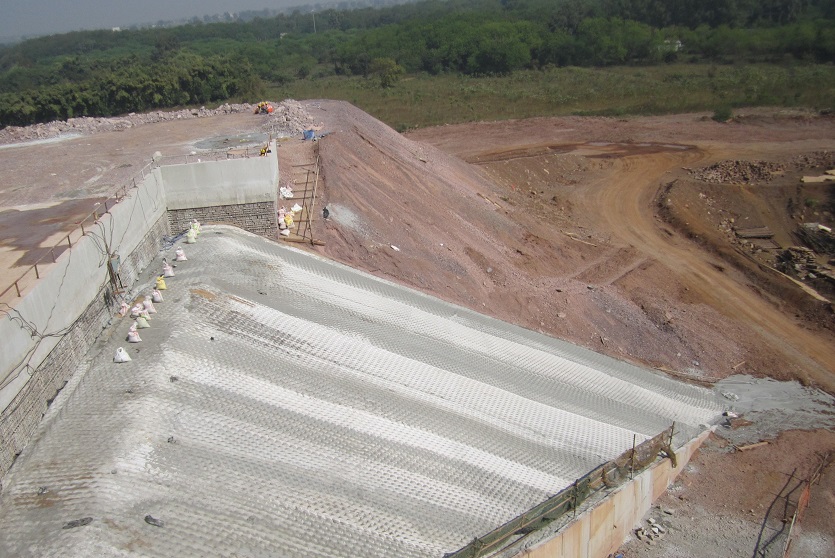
{"points": [[797, 261], [819, 237], [750, 172], [755, 232], [78, 523], [287, 119], [654, 530], [816, 179]]}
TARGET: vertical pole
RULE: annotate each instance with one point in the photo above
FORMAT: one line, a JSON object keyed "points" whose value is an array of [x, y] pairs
{"points": [[17, 288], [37, 275], [313, 197], [574, 498], [69, 241], [632, 464]]}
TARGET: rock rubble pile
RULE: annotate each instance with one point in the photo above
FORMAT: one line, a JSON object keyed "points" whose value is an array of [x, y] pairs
{"points": [[290, 118], [737, 172], [655, 529]]}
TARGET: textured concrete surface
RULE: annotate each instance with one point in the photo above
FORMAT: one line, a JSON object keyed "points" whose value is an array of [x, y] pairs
{"points": [[283, 405], [20, 418]]}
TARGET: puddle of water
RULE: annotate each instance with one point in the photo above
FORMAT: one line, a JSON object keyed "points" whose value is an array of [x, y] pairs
{"points": [[644, 144], [224, 142], [30, 143]]}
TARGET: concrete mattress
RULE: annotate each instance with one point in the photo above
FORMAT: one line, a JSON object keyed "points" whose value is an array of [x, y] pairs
{"points": [[285, 405]]}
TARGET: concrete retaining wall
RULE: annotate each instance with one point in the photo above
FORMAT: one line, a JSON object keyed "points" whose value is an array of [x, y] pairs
{"points": [[598, 532], [68, 308]]}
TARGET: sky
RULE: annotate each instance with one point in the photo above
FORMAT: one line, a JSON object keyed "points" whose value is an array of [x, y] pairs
{"points": [[42, 17]]}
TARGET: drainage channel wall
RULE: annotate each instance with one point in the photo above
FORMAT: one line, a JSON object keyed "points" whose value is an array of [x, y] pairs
{"points": [[601, 530], [47, 334]]}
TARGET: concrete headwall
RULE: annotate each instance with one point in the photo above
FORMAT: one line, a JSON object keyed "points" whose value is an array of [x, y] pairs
{"points": [[230, 182], [598, 532], [240, 192], [52, 328]]}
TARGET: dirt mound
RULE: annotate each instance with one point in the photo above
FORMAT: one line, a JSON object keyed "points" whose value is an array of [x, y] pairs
{"points": [[406, 210]]}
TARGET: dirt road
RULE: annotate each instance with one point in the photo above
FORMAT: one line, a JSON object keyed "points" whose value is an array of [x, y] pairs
{"points": [[611, 198], [625, 202]]}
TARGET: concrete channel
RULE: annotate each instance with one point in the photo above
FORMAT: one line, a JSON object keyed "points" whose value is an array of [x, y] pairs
{"points": [[281, 404]]}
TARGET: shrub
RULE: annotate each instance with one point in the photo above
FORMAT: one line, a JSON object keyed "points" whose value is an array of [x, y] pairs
{"points": [[722, 113]]}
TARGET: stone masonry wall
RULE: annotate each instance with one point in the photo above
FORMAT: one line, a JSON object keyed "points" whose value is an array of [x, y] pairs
{"points": [[257, 218], [20, 420]]}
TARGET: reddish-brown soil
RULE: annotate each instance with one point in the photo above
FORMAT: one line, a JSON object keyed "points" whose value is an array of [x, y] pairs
{"points": [[554, 224], [740, 503]]}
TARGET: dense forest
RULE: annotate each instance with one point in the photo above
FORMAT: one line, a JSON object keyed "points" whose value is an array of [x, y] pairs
{"points": [[103, 73]]}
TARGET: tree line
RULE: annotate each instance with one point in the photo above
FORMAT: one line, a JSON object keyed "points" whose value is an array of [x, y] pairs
{"points": [[102, 73], [131, 86]]}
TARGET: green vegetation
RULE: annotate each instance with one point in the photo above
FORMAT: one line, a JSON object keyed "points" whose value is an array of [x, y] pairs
{"points": [[425, 100], [490, 50], [723, 113]]}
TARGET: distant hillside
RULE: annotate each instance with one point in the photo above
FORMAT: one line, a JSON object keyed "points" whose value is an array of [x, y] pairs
{"points": [[102, 73]]}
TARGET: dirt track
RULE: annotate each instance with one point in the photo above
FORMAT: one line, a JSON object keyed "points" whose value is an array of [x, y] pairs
{"points": [[614, 200], [626, 205]]}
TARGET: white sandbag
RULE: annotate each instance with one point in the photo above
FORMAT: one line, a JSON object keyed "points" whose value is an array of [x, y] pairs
{"points": [[296, 208], [123, 309], [149, 306], [180, 255], [167, 270], [137, 310], [121, 355], [156, 296], [133, 337], [284, 232]]}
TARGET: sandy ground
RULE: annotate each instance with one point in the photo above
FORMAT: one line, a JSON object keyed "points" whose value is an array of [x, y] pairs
{"points": [[588, 229]]}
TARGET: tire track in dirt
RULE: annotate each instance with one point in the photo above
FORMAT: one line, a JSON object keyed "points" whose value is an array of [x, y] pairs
{"points": [[625, 204]]}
